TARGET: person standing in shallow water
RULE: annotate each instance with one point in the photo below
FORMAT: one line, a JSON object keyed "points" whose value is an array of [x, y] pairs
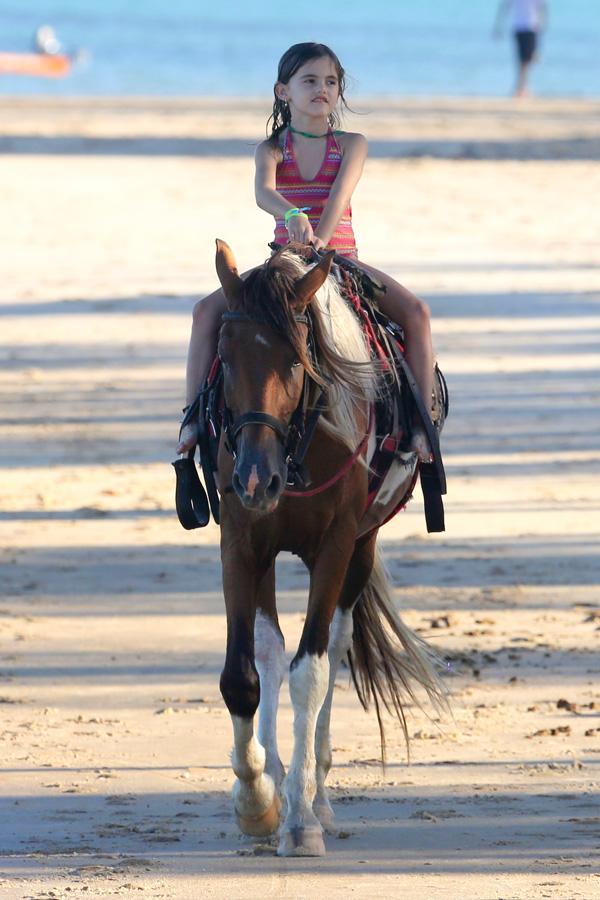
{"points": [[528, 19], [306, 173]]}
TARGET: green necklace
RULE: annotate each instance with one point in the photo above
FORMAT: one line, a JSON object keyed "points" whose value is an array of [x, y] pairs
{"points": [[308, 134]]}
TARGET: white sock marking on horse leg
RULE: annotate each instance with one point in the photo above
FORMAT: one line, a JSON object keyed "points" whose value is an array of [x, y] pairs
{"points": [[269, 653], [253, 791], [308, 687], [340, 639]]}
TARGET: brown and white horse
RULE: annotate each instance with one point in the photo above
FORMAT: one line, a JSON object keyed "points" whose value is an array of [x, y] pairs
{"points": [[267, 354]]}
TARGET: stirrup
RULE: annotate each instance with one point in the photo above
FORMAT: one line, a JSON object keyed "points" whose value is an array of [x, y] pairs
{"points": [[191, 501]]}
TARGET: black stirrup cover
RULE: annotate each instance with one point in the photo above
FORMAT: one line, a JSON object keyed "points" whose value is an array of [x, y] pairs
{"points": [[191, 502]]}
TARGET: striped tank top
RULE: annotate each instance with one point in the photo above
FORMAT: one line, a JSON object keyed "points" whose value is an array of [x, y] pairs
{"points": [[314, 194]]}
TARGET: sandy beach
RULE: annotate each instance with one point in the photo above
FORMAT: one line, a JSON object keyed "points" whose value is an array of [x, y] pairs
{"points": [[115, 741]]}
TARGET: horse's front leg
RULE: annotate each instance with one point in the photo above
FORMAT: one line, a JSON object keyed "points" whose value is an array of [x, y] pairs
{"points": [[255, 799], [302, 834], [340, 641], [270, 662]]}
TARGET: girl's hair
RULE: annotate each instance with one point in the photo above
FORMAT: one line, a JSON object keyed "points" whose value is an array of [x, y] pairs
{"points": [[290, 62]]}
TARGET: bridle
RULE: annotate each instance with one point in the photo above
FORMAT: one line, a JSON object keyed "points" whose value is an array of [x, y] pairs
{"points": [[295, 435]]}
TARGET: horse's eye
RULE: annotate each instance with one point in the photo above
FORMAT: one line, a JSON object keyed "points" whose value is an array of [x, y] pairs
{"points": [[296, 363]]}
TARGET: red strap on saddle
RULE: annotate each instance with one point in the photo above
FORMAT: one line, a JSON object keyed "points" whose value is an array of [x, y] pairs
{"points": [[213, 370], [353, 298]]}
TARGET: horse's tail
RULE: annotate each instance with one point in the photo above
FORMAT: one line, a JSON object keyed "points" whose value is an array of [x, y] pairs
{"points": [[388, 661]]}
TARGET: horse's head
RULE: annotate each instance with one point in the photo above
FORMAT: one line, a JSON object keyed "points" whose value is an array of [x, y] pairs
{"points": [[264, 352]]}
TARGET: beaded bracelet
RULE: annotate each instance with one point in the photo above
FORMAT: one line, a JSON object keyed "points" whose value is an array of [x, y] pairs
{"points": [[295, 211]]}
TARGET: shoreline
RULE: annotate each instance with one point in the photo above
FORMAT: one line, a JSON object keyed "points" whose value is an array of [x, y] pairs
{"points": [[383, 109], [443, 128]]}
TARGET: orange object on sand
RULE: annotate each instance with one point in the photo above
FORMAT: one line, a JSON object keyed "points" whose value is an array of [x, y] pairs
{"points": [[39, 64]]}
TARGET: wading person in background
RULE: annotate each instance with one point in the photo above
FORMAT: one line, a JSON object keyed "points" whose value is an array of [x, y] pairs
{"points": [[528, 19]]}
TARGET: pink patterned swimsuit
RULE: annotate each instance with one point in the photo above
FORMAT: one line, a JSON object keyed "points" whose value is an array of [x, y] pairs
{"points": [[314, 194]]}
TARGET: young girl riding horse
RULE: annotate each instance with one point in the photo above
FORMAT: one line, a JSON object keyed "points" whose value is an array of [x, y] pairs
{"points": [[306, 173]]}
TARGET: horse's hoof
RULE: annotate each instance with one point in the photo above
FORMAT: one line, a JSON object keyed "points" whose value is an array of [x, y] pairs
{"points": [[325, 815], [300, 841], [261, 826]]}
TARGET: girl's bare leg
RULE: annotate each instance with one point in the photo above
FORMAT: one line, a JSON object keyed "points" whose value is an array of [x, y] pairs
{"points": [[413, 315], [206, 322]]}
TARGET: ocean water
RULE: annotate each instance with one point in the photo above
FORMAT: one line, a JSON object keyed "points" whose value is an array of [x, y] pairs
{"points": [[389, 47]]}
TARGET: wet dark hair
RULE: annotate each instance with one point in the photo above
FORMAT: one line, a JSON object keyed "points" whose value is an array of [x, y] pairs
{"points": [[290, 62]]}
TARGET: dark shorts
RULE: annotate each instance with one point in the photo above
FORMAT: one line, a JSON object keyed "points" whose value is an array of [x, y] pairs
{"points": [[526, 45]]}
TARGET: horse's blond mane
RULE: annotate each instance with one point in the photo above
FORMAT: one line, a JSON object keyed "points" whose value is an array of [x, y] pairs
{"points": [[344, 359]]}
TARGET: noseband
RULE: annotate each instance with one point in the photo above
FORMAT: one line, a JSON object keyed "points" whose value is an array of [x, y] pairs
{"points": [[294, 436]]}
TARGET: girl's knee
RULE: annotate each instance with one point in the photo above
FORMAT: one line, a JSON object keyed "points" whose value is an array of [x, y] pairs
{"points": [[416, 314], [422, 313], [208, 311], [413, 314]]}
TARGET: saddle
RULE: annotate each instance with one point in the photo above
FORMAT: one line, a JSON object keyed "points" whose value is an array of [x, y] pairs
{"points": [[391, 462]]}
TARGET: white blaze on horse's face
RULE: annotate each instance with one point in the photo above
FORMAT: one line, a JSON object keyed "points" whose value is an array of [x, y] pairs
{"points": [[253, 481]]}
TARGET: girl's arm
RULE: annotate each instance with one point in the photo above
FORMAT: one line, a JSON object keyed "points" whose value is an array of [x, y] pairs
{"points": [[354, 147], [269, 199]]}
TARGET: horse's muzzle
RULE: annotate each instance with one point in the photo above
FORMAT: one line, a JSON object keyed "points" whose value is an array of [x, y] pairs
{"points": [[258, 483]]}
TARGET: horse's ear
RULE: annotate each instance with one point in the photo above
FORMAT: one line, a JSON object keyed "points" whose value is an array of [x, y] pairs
{"points": [[310, 283], [228, 274]]}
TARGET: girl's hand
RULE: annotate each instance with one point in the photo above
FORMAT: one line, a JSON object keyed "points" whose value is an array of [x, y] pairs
{"points": [[300, 229], [318, 243]]}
